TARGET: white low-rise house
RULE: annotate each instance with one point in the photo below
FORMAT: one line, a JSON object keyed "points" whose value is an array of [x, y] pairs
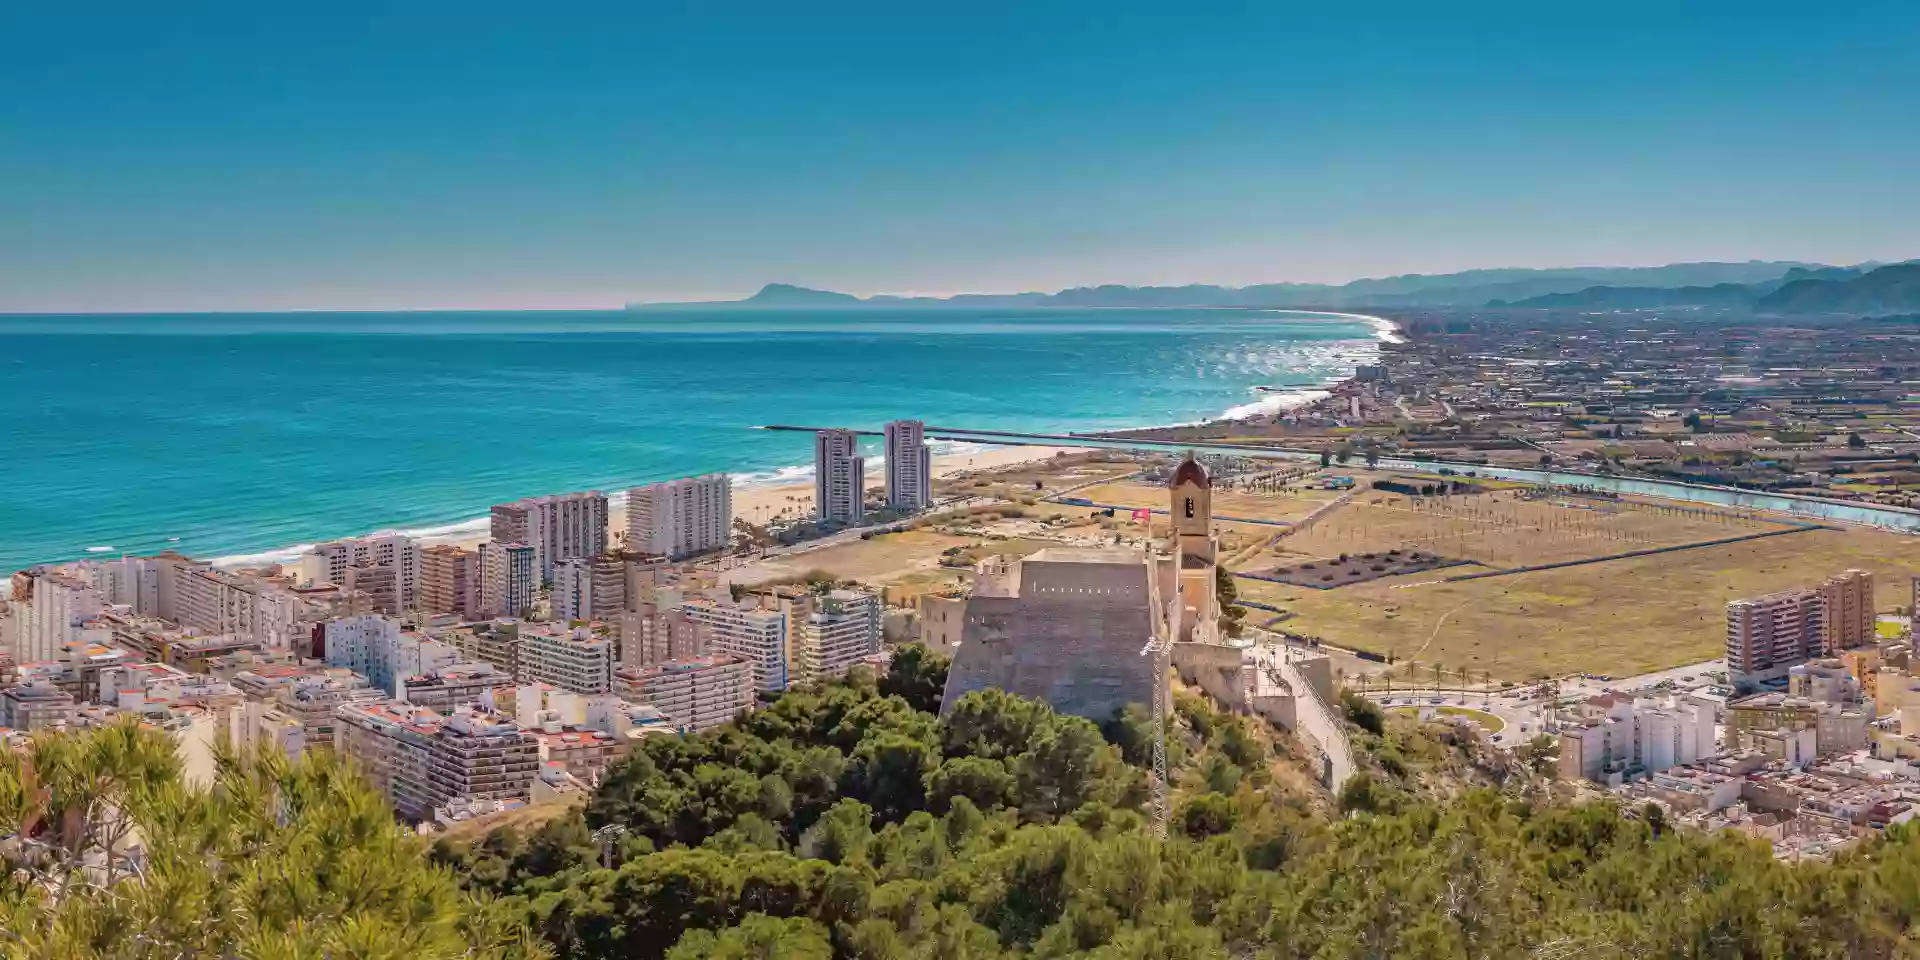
{"points": [[1612, 738]]}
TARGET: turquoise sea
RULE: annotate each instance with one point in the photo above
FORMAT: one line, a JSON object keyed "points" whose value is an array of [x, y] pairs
{"points": [[250, 434]]}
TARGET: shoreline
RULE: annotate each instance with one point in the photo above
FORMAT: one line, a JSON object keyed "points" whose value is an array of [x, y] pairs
{"points": [[766, 493], [756, 501]]}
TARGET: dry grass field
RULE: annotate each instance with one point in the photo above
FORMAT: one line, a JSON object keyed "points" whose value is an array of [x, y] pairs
{"points": [[1258, 506], [877, 561], [1618, 617], [1503, 530]]}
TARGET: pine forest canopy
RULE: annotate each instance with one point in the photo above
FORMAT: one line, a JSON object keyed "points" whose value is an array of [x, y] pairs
{"points": [[849, 821]]}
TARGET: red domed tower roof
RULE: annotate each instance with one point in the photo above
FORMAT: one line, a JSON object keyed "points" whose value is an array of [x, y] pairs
{"points": [[1190, 471]]}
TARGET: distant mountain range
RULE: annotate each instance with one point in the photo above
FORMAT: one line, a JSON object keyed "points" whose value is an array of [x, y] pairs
{"points": [[1783, 286], [1868, 289]]}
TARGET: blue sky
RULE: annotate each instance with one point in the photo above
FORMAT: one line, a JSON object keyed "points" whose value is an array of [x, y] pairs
{"points": [[420, 154]]}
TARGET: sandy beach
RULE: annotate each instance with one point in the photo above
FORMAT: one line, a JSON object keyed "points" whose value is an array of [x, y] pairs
{"points": [[761, 504]]}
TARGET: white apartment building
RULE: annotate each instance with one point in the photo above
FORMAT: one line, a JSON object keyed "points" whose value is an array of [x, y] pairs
{"points": [[222, 603], [681, 517], [577, 660], [375, 647], [133, 582], [1615, 738], [695, 693], [391, 560], [558, 527], [509, 574], [830, 633], [909, 466], [572, 596], [748, 630], [839, 477], [265, 726], [48, 609]]}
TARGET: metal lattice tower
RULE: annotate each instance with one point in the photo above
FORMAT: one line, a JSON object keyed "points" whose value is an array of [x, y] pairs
{"points": [[1159, 648]]}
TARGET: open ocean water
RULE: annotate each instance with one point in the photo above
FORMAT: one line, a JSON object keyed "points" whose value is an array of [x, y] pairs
{"points": [[249, 434]]}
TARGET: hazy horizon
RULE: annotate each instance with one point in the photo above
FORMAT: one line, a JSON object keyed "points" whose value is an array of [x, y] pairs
{"points": [[432, 156]]}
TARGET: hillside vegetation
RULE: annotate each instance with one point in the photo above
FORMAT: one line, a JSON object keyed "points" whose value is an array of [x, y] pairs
{"points": [[849, 821], [274, 860]]}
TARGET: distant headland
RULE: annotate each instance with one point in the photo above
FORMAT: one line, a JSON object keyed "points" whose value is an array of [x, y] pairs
{"points": [[1708, 283]]}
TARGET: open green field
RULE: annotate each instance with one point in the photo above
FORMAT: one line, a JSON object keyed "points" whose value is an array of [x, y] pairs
{"points": [[1619, 617]]}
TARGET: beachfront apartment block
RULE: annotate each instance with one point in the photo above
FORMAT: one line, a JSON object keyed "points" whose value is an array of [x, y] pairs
{"points": [[558, 527], [696, 693], [450, 581], [748, 629], [509, 574], [1767, 635], [831, 632], [196, 595], [48, 609], [839, 477], [909, 466], [420, 759], [681, 517], [385, 566], [133, 582], [1849, 615], [577, 660]]}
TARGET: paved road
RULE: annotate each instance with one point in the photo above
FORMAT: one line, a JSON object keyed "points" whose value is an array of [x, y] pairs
{"points": [[1320, 721], [1525, 712]]}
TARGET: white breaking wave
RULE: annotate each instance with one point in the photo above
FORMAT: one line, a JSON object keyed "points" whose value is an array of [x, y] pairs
{"points": [[460, 530], [282, 555], [1276, 402]]}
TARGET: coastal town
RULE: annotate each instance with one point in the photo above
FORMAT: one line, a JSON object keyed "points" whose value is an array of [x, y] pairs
{"points": [[1360, 552], [1816, 409]]}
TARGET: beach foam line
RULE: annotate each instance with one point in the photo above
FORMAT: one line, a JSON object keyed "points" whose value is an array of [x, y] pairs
{"points": [[1384, 330], [1275, 402]]}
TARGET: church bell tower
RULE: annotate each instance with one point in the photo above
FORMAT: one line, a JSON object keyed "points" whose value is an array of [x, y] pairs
{"points": [[1195, 550]]}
